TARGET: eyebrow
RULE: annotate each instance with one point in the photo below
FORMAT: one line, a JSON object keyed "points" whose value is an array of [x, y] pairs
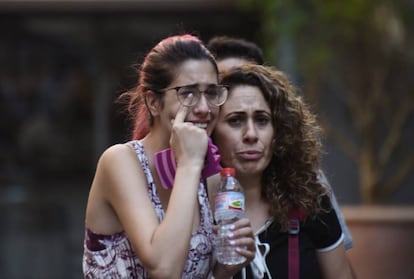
{"points": [[256, 111], [198, 84], [243, 112]]}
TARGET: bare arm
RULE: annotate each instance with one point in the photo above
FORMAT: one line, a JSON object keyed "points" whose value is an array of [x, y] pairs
{"points": [[162, 247], [334, 264]]}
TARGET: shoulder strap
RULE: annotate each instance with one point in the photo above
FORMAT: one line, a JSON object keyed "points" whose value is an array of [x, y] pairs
{"points": [[295, 216]]}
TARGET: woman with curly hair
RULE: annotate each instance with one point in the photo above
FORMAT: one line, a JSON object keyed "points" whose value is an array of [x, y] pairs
{"points": [[268, 134]]}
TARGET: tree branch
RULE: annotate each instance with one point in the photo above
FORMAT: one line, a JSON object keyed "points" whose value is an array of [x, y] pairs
{"points": [[396, 180], [396, 130], [338, 136]]}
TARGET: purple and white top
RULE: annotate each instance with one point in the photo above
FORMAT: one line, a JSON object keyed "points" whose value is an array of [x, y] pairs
{"points": [[112, 256]]}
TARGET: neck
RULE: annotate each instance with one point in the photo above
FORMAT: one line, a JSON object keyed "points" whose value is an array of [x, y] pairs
{"points": [[251, 186], [155, 142], [256, 209]]}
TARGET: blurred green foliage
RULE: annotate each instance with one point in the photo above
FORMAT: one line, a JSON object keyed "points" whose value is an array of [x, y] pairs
{"points": [[360, 51], [322, 25]]}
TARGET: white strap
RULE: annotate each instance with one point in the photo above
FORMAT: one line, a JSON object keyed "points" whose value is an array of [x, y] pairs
{"points": [[258, 265]]}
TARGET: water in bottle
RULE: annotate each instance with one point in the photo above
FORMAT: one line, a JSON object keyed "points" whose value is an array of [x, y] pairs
{"points": [[229, 207]]}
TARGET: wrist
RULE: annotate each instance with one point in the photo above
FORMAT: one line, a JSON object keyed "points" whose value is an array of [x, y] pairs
{"points": [[191, 163], [219, 272]]}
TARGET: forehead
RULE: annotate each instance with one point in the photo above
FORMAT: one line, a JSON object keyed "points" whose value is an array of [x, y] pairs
{"points": [[230, 62], [195, 71], [245, 98]]}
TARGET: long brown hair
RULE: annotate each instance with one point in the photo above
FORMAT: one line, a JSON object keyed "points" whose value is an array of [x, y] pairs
{"points": [[157, 72]]}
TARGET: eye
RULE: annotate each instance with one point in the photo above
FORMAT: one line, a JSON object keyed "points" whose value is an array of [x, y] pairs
{"points": [[262, 120], [185, 93], [235, 121], [211, 93]]}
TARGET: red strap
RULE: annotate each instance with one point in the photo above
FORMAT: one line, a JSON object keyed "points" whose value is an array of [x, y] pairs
{"points": [[295, 216]]}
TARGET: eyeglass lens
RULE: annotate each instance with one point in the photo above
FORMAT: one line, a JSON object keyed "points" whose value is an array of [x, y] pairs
{"points": [[190, 95]]}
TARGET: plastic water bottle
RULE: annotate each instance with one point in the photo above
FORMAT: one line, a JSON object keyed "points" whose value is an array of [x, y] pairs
{"points": [[229, 207]]}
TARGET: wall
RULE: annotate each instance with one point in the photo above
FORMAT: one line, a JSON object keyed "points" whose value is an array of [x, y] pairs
{"points": [[61, 68]]}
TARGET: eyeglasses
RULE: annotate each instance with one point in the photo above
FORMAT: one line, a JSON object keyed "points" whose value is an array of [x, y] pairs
{"points": [[189, 95]]}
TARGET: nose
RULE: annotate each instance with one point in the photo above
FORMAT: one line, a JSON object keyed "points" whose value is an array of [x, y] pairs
{"points": [[202, 106], [250, 133]]}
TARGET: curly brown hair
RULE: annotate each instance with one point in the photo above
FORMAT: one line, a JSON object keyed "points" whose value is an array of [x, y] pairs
{"points": [[292, 176]]}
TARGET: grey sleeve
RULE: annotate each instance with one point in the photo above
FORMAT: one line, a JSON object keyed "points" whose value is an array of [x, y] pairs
{"points": [[348, 243]]}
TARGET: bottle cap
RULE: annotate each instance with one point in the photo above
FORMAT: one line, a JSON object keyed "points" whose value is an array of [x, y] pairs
{"points": [[227, 172]]}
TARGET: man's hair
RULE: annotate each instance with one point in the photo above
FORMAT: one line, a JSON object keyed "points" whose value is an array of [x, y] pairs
{"points": [[224, 47]]}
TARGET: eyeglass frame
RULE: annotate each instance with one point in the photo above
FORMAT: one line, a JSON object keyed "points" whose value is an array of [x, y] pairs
{"points": [[195, 85]]}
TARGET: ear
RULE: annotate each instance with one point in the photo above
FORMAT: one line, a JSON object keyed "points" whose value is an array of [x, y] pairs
{"points": [[153, 103]]}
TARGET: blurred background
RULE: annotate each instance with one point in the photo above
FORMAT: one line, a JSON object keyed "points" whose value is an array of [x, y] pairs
{"points": [[63, 63]]}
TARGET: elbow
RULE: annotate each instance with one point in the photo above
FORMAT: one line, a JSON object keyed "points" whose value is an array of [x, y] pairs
{"points": [[164, 272], [163, 265], [164, 268]]}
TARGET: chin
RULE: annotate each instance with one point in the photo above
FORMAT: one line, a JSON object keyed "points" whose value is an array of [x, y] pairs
{"points": [[251, 168]]}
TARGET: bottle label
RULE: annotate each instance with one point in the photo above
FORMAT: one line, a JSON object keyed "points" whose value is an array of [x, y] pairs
{"points": [[229, 201]]}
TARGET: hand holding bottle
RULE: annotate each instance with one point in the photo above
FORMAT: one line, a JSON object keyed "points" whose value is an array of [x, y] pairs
{"points": [[241, 237], [229, 208]]}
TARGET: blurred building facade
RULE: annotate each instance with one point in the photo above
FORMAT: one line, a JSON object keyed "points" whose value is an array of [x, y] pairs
{"points": [[62, 64]]}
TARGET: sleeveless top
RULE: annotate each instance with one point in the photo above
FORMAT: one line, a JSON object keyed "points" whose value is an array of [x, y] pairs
{"points": [[112, 256]]}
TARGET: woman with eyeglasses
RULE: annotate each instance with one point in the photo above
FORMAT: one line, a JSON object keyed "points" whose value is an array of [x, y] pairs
{"points": [[137, 227]]}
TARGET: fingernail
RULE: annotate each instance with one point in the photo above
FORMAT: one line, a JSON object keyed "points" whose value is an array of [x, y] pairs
{"points": [[232, 242], [230, 234]]}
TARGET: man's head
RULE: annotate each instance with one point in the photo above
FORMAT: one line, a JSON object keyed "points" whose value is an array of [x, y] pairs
{"points": [[233, 52]]}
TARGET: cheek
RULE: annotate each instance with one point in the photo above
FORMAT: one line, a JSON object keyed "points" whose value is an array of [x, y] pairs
{"points": [[226, 142], [226, 151], [214, 112], [172, 109], [214, 115]]}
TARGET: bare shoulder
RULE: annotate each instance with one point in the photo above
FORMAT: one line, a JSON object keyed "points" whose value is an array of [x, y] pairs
{"points": [[118, 177], [116, 156], [117, 163], [117, 152]]}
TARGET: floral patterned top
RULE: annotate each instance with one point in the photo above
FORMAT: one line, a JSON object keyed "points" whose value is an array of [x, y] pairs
{"points": [[112, 256]]}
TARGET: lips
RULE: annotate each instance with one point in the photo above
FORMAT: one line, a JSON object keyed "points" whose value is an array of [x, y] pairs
{"points": [[201, 125], [250, 154]]}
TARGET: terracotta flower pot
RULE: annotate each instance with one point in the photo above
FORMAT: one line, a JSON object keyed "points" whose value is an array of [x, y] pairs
{"points": [[383, 241]]}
